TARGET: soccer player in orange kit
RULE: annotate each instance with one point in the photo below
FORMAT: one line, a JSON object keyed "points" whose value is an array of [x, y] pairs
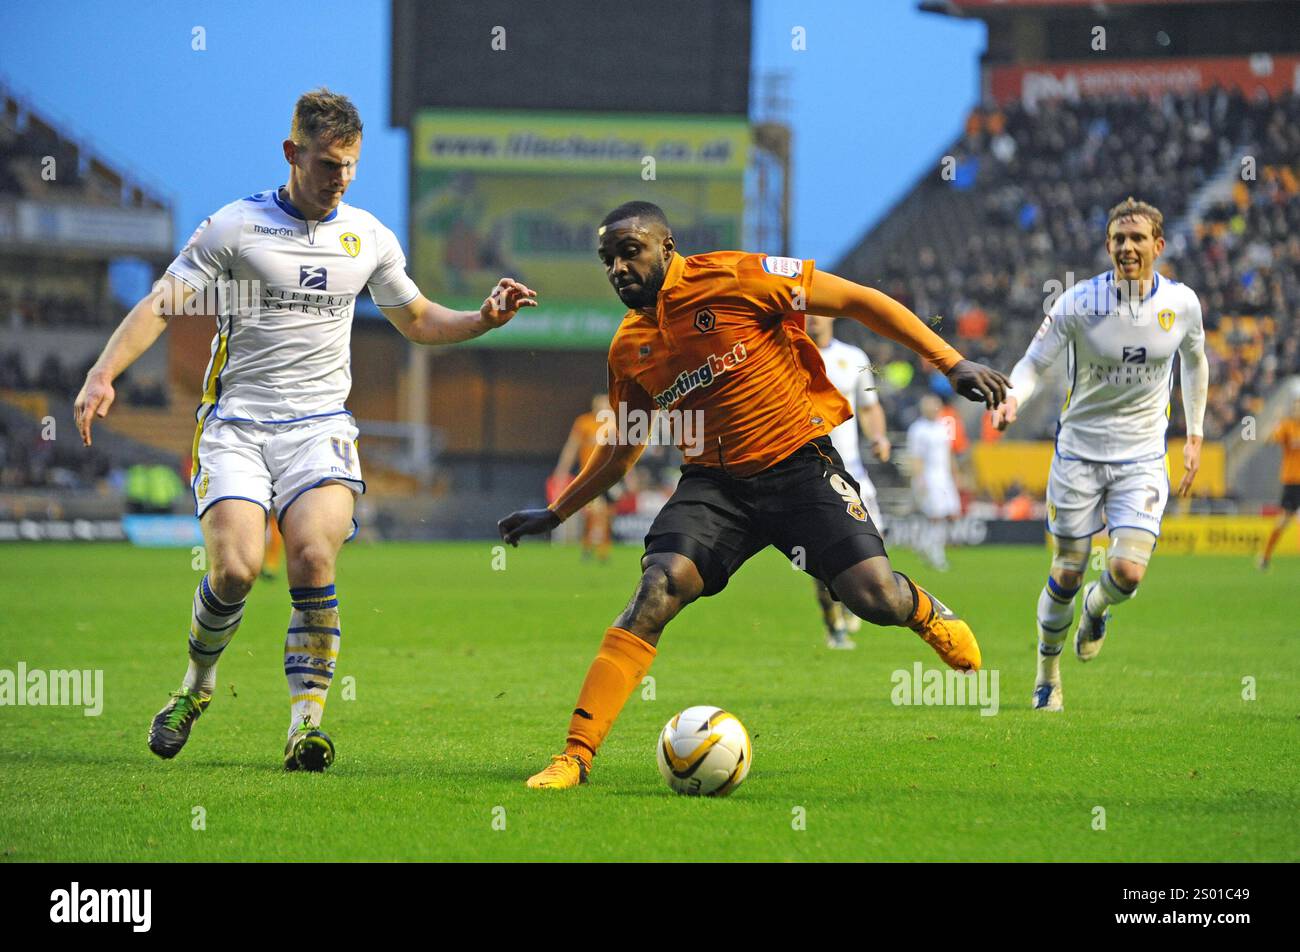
{"points": [[718, 338], [1288, 434], [587, 433]]}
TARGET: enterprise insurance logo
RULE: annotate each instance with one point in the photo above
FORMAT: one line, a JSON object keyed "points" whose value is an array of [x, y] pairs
{"points": [[103, 905], [312, 276]]}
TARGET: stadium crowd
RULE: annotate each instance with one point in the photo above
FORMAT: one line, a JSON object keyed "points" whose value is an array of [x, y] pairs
{"points": [[1042, 180]]}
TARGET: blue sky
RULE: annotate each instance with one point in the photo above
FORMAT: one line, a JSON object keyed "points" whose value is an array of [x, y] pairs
{"points": [[879, 92]]}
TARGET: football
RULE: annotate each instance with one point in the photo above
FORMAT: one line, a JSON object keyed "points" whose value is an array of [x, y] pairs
{"points": [[704, 752]]}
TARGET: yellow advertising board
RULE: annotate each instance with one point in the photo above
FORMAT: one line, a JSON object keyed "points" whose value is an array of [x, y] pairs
{"points": [[1222, 535], [998, 465], [522, 193], [1216, 535]]}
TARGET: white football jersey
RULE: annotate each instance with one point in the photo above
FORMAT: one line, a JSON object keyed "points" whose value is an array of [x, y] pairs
{"points": [[930, 441], [849, 370], [1120, 361], [282, 350]]}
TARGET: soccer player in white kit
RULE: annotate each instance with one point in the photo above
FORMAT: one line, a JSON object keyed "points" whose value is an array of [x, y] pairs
{"points": [[273, 435], [849, 369], [1120, 331], [934, 481]]}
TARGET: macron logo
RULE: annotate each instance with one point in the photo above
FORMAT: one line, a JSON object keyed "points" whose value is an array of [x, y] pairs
{"points": [[103, 905], [311, 276], [701, 376]]}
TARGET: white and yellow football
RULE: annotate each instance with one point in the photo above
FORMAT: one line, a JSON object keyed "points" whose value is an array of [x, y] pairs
{"points": [[704, 752]]}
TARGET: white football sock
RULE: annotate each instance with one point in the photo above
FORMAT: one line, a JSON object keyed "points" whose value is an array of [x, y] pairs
{"points": [[311, 648], [1055, 614], [1103, 593], [212, 624]]}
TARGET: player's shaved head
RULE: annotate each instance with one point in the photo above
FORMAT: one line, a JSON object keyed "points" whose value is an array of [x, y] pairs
{"points": [[647, 213], [635, 244]]}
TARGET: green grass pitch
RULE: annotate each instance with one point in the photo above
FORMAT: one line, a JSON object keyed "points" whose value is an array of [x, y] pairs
{"points": [[465, 677]]}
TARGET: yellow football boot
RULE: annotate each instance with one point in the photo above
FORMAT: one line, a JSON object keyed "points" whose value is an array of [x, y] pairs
{"points": [[564, 772], [950, 637]]}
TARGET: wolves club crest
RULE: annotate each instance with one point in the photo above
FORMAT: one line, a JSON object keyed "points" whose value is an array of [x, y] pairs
{"points": [[705, 321]]}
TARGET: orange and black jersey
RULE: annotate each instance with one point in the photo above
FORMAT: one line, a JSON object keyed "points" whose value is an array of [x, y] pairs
{"points": [[1288, 434], [725, 347], [727, 340]]}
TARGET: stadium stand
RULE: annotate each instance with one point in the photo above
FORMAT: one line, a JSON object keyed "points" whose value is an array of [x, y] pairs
{"points": [[56, 304], [1027, 205]]}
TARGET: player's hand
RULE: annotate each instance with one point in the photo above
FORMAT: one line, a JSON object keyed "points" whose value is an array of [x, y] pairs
{"points": [[1005, 415], [505, 301], [526, 522], [96, 396], [1191, 463], [882, 448], [979, 383]]}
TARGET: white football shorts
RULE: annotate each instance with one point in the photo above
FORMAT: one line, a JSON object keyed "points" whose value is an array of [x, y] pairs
{"points": [[939, 498], [1081, 493], [272, 465]]}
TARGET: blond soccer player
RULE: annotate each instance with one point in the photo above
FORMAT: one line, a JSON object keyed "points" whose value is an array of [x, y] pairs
{"points": [[1119, 332]]}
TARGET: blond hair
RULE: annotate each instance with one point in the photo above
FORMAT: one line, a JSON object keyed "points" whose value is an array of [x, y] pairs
{"points": [[1132, 208]]}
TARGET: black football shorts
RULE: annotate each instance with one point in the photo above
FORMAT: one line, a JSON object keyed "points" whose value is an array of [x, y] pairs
{"points": [[1290, 497], [807, 506]]}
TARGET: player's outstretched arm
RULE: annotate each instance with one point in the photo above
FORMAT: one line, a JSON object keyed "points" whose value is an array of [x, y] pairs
{"points": [[427, 322], [1049, 340], [608, 464], [1024, 381], [831, 294], [142, 325]]}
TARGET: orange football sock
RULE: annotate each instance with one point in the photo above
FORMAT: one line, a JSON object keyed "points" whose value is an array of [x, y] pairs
{"points": [[921, 614], [621, 663]]}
